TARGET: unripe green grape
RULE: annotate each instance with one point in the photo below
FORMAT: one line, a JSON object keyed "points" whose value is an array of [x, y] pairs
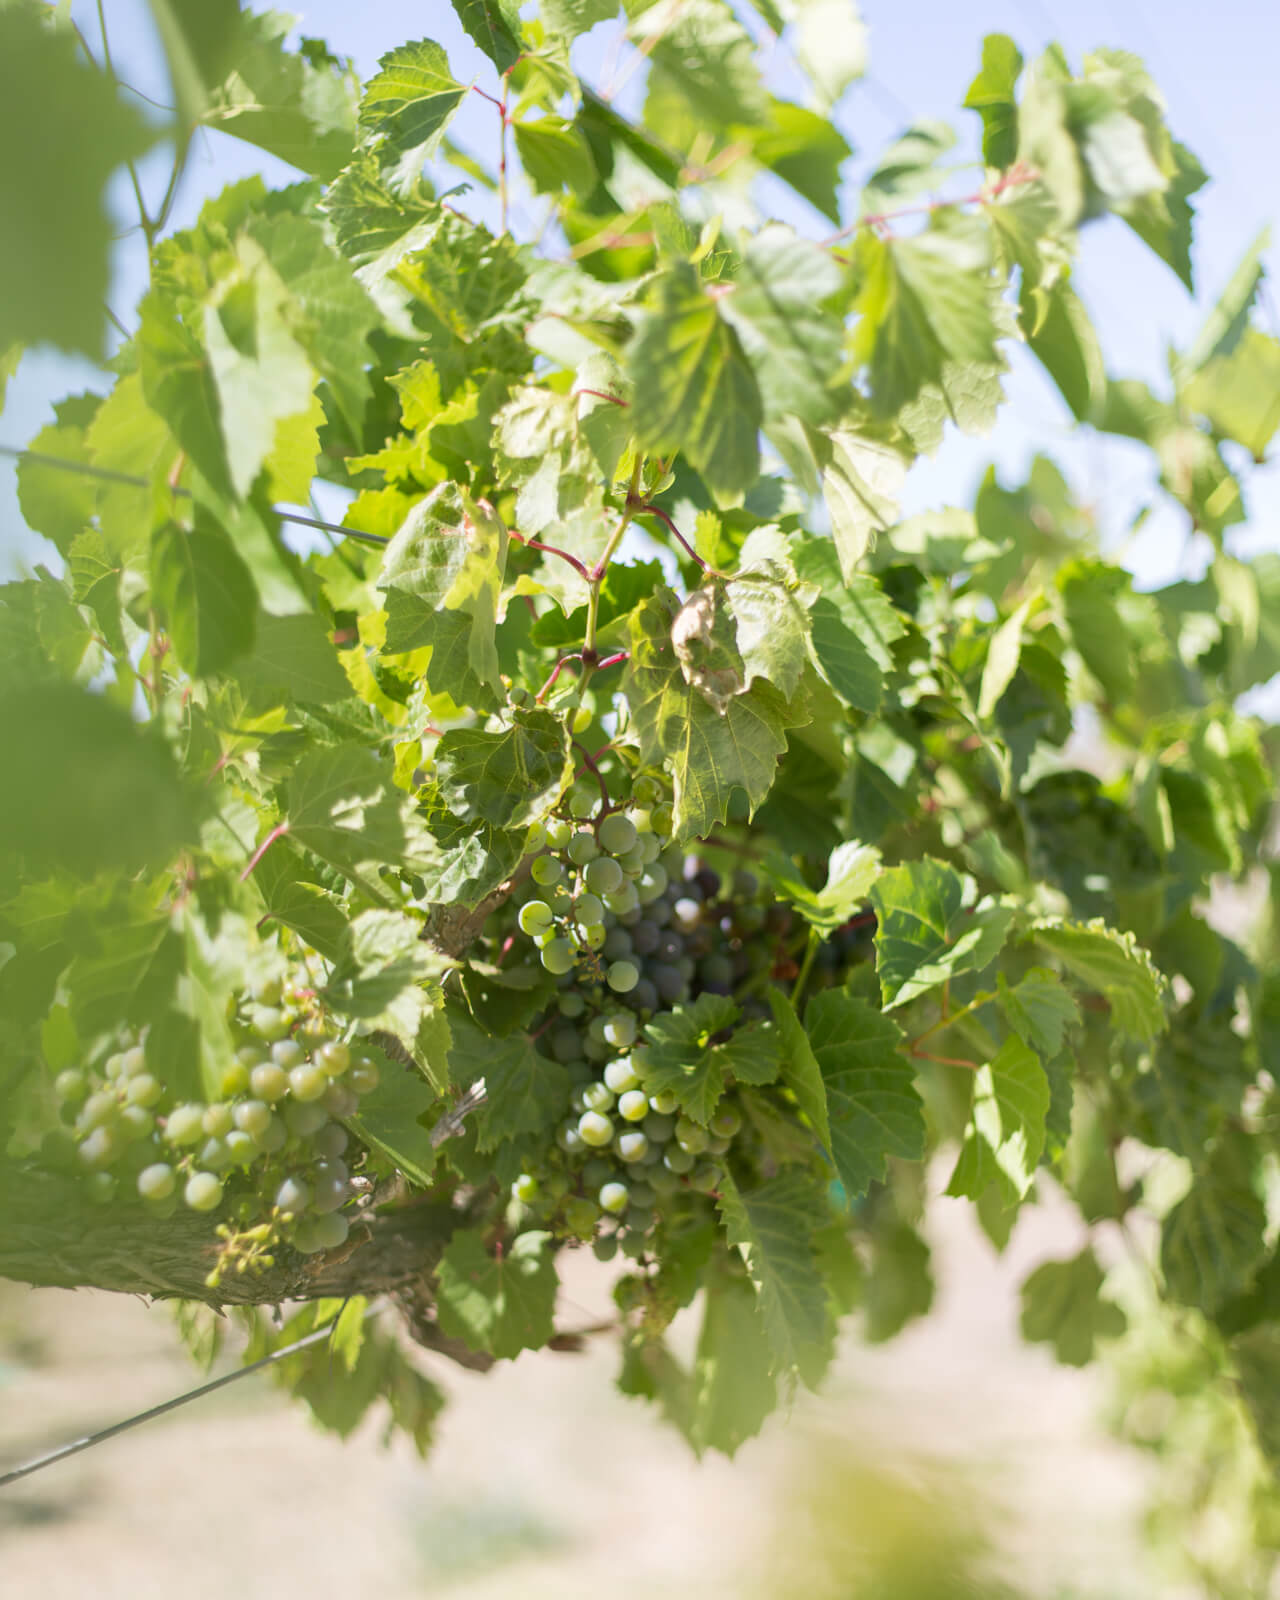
{"points": [[632, 1145], [614, 1197], [597, 1097], [543, 937], [269, 1082], [559, 831], [581, 1216], [717, 1147], [646, 791], [242, 1148], [620, 1029], [665, 1104], [101, 1187], [363, 1077], [330, 1195], [594, 936], [571, 1004], [288, 1053], [691, 1137], [99, 1108], [268, 1023], [650, 848], [331, 1140], [583, 847], [536, 838], [588, 909], [597, 1170], [595, 1129], [71, 1086], [578, 1097], [632, 861], [634, 1105], [251, 1116], [534, 917], [157, 1182], [605, 1247], [726, 1122], [112, 1065], [653, 883], [267, 991], [662, 1180], [312, 1032], [582, 719], [634, 1245], [203, 1192], [555, 1185], [642, 1192], [184, 1125], [622, 976], [101, 1147], [676, 1159], [333, 1058], [617, 834], [307, 1082], [273, 1137], [582, 802], [133, 1061], [620, 1076], [293, 1195], [303, 1118], [214, 1155], [251, 1055], [339, 1101], [569, 1139], [624, 901], [558, 956], [135, 1122], [525, 1188], [234, 1079], [602, 876], [547, 870], [662, 817], [705, 1177], [218, 1119], [658, 1127], [321, 1233]]}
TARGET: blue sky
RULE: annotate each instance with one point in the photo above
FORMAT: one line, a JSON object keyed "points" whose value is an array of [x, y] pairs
{"points": [[1216, 67]]}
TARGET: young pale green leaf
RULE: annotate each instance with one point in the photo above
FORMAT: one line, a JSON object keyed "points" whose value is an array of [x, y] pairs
{"points": [[501, 1304], [694, 389], [929, 928], [861, 479], [58, 501], [874, 1109], [1228, 317], [200, 39], [804, 150], [1061, 1306], [178, 384], [555, 155], [680, 1058], [292, 658], [395, 1118], [411, 100], [297, 105], [701, 50], [898, 1286], [206, 595], [773, 1226], [495, 26], [1092, 592], [991, 95], [385, 971], [53, 288], [569, 18], [830, 45], [1005, 1140], [1113, 964], [708, 754], [1238, 393], [1003, 654], [776, 305], [1038, 1009], [415, 624], [290, 898], [853, 625], [376, 226], [344, 807], [800, 1070], [1163, 218], [507, 777], [1066, 342], [924, 301], [771, 626], [851, 871]]}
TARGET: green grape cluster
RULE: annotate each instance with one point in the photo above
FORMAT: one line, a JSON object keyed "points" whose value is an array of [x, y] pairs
{"points": [[272, 1143]]}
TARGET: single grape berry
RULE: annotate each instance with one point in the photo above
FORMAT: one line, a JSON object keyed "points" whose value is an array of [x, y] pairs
{"points": [[535, 915], [363, 1076], [547, 870], [622, 976], [268, 1081], [595, 1129], [71, 1085], [184, 1125], [583, 847], [203, 1191], [597, 1097], [525, 1188], [632, 1146], [726, 1122], [634, 1105], [614, 1197], [558, 956], [617, 834], [602, 876], [156, 1182], [307, 1082], [620, 1076]]}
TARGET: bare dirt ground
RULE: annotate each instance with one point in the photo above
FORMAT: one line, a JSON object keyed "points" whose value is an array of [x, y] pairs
{"points": [[546, 1482]]}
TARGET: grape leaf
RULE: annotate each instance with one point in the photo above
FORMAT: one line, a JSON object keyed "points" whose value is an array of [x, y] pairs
{"points": [[708, 753], [733, 1388], [292, 658], [414, 624], [54, 287], [1116, 966], [701, 50], [1061, 1306], [314, 914], [395, 1118], [343, 806], [793, 343], [800, 1070], [694, 390], [1038, 1009], [503, 1304], [527, 1092], [495, 27], [1212, 1241], [680, 1059], [1067, 345], [853, 625], [506, 778], [861, 478], [830, 46], [411, 100], [898, 1285], [178, 384], [929, 929], [773, 1226], [991, 95], [1004, 1141], [804, 150], [851, 871], [206, 595], [874, 1109]]}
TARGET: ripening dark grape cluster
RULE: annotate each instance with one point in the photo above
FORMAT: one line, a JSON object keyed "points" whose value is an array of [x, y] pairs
{"points": [[271, 1145]]}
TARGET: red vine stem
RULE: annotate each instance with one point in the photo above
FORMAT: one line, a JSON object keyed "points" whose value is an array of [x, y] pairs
{"points": [[552, 550], [646, 508], [599, 394], [276, 832], [1017, 175], [550, 683]]}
